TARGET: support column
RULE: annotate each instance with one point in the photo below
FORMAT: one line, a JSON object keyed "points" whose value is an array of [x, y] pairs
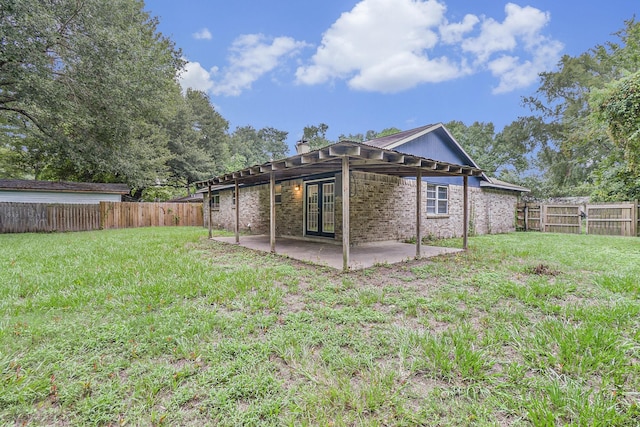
{"points": [[418, 214], [465, 215], [210, 233], [346, 196], [237, 230], [272, 212]]}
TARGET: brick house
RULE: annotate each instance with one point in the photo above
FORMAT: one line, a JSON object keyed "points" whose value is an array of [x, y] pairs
{"points": [[391, 179]]}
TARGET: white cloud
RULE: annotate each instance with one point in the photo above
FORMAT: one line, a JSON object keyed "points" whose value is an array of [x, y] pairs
{"points": [[203, 34], [389, 46], [521, 22], [380, 46], [454, 33], [514, 73], [521, 30], [252, 57], [196, 77]]}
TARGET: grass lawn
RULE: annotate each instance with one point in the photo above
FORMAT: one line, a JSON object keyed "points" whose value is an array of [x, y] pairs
{"points": [[160, 326]]}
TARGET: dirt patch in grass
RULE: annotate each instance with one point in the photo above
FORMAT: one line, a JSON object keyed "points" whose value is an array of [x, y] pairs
{"points": [[542, 270]]}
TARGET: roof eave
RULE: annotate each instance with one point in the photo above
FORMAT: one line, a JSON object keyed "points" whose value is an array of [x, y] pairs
{"points": [[514, 187]]}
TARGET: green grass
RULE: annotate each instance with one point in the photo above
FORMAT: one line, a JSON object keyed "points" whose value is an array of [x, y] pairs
{"points": [[160, 326]]}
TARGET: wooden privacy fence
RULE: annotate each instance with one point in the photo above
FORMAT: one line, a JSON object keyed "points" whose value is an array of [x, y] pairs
{"points": [[43, 217], [613, 219], [128, 214]]}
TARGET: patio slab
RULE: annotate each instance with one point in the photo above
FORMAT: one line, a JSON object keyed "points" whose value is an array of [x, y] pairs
{"points": [[330, 254]]}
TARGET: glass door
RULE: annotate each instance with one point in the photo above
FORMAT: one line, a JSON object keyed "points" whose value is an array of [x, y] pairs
{"points": [[320, 209]]}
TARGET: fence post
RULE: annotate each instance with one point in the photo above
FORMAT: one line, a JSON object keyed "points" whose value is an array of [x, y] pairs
{"points": [[634, 222]]}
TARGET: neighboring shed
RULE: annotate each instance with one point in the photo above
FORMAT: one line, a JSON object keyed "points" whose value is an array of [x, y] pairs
{"points": [[29, 191]]}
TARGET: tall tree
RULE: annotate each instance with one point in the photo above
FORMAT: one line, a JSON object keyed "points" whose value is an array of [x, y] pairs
{"points": [[617, 106], [274, 141], [249, 146], [574, 148], [197, 140], [499, 155], [84, 83]]}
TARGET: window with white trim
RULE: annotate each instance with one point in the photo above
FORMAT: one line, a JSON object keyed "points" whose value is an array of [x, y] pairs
{"points": [[437, 199]]}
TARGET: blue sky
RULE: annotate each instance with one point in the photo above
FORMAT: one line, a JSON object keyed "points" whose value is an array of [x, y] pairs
{"points": [[374, 64]]}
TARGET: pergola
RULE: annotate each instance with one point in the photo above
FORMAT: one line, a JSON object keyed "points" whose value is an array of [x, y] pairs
{"points": [[344, 157]]}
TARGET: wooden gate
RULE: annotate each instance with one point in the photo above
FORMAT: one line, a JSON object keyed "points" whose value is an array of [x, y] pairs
{"points": [[562, 219], [613, 219]]}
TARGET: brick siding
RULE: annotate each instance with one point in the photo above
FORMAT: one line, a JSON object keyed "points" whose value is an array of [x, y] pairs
{"points": [[382, 208]]}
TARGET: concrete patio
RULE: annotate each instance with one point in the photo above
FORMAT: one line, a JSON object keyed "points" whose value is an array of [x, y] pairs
{"points": [[330, 254]]}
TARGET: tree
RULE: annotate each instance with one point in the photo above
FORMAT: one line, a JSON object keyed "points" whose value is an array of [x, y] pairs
{"points": [[617, 106], [249, 146], [316, 136], [358, 137], [274, 142], [369, 135], [497, 154], [85, 84], [574, 149], [386, 132], [197, 140]]}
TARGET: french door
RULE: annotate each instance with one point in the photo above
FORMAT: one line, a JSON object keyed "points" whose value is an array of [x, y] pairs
{"points": [[320, 208]]}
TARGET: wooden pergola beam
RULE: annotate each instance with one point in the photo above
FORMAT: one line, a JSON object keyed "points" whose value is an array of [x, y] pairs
{"points": [[465, 215], [237, 228], [418, 214], [346, 197], [272, 212]]}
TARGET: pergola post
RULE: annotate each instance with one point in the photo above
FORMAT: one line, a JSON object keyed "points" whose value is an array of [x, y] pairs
{"points": [[210, 232], [418, 213], [345, 213], [465, 214], [237, 230], [272, 212]]}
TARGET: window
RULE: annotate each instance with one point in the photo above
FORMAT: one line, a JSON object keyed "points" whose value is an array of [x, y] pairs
{"points": [[437, 199], [214, 203], [278, 194]]}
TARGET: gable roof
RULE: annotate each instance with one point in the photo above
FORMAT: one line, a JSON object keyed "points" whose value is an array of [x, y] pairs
{"points": [[62, 186], [391, 142]]}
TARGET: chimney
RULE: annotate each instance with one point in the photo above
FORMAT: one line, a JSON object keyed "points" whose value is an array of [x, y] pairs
{"points": [[302, 146]]}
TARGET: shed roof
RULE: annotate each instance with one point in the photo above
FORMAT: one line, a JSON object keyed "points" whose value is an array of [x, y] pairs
{"points": [[363, 157], [62, 186]]}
